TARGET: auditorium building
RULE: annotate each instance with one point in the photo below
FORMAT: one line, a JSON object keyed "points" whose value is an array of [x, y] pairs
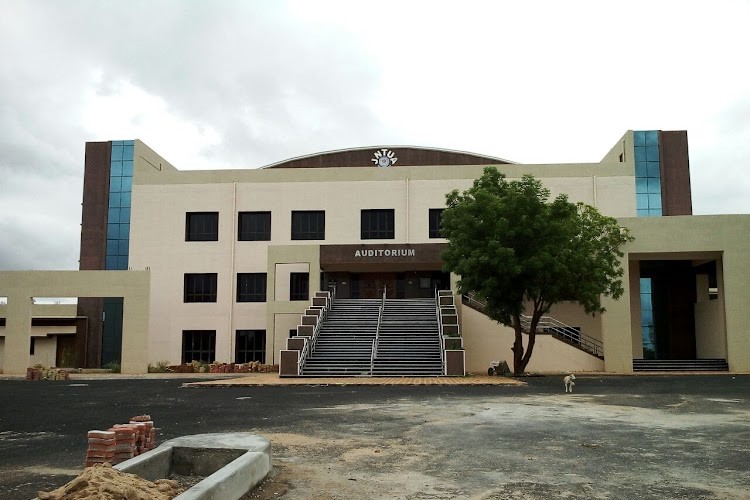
{"points": [[223, 265]]}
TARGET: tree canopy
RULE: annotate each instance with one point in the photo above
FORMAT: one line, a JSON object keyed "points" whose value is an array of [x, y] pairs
{"points": [[521, 253]]}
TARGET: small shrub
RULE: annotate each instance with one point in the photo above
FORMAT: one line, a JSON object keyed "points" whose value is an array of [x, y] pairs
{"points": [[112, 366], [199, 366], [159, 367]]}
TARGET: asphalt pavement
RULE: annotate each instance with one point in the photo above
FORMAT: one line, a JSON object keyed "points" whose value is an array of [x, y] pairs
{"points": [[43, 424]]}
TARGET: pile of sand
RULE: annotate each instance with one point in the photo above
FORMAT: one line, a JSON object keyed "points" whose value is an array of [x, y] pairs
{"points": [[103, 482]]}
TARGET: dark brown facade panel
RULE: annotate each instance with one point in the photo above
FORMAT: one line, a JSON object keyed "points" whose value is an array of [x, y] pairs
{"points": [[675, 173], [406, 156], [93, 247], [94, 206], [89, 334]]}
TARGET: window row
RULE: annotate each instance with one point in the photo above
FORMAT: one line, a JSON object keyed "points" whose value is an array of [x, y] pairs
{"points": [[200, 345], [306, 225], [251, 287]]}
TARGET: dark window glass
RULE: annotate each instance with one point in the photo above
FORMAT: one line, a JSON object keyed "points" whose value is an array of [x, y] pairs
{"points": [[251, 287], [378, 224], [202, 226], [298, 286], [436, 214], [254, 226], [198, 345], [309, 225], [292, 332], [32, 345], [200, 287], [250, 345]]}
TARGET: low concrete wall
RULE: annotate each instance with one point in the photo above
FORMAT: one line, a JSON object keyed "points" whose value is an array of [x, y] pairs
{"points": [[233, 462]]}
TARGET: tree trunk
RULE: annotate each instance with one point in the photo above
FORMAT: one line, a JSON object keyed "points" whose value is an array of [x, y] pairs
{"points": [[518, 365], [532, 340]]}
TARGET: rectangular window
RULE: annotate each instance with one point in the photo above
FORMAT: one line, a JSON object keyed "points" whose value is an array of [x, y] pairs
{"points": [[378, 224], [251, 287], [309, 225], [436, 215], [298, 286], [202, 226], [198, 345], [250, 345], [254, 226], [200, 287], [32, 345]]}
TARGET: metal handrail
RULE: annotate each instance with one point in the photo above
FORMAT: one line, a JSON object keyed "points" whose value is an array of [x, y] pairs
{"points": [[440, 330], [377, 330], [310, 344], [372, 356], [548, 324]]}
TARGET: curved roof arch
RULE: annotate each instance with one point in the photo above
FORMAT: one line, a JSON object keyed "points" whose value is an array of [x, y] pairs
{"points": [[401, 156]]}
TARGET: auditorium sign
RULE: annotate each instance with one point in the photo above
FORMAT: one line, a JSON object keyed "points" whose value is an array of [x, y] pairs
{"points": [[386, 252], [404, 257]]}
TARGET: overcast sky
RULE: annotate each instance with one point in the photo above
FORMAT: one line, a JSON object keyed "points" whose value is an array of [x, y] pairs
{"points": [[244, 84]]}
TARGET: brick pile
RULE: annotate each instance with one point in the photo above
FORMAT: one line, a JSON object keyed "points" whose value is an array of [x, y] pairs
{"points": [[146, 432], [101, 448], [121, 441], [251, 367], [125, 436], [39, 372]]}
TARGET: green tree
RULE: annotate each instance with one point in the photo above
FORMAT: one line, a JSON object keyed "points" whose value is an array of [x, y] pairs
{"points": [[521, 254]]}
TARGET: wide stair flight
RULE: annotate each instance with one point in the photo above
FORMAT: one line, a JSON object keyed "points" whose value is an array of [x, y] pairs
{"points": [[344, 345], [408, 342]]}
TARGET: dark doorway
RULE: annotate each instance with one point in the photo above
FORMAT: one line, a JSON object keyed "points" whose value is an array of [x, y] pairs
{"points": [[65, 357], [371, 285], [668, 295]]}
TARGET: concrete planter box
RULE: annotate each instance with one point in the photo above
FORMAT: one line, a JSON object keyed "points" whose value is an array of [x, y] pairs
{"points": [[233, 463]]}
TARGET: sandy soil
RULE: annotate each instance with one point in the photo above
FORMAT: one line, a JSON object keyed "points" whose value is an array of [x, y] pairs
{"points": [[102, 482]]}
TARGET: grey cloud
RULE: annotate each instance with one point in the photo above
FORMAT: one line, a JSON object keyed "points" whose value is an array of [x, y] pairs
{"points": [[272, 86]]}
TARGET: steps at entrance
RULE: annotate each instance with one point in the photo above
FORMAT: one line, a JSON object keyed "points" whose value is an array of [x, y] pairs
{"points": [[409, 341], [344, 345], [680, 365]]}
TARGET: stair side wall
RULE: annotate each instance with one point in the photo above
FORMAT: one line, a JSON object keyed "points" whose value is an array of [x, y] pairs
{"points": [[486, 340]]}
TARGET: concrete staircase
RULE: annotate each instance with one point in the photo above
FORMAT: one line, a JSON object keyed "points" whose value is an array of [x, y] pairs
{"points": [[344, 345], [680, 365], [409, 342]]}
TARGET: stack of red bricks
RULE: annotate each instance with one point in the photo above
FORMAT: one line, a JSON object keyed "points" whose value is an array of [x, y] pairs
{"points": [[146, 433], [102, 447], [122, 441], [125, 446], [252, 366]]}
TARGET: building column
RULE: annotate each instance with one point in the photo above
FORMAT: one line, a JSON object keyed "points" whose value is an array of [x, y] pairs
{"points": [[17, 335], [616, 330], [135, 312], [736, 274]]}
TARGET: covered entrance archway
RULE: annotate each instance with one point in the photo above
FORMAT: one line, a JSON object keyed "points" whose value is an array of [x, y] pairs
{"points": [[364, 271]]}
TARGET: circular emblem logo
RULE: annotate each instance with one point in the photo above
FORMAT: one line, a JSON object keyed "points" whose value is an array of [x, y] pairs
{"points": [[384, 158]]}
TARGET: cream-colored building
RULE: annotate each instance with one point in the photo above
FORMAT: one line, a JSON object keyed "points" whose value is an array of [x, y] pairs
{"points": [[233, 256]]}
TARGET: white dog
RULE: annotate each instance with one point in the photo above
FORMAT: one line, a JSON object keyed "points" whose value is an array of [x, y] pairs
{"points": [[568, 380]]}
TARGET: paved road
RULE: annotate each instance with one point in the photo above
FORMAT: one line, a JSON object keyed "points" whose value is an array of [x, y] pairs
{"points": [[652, 437]]}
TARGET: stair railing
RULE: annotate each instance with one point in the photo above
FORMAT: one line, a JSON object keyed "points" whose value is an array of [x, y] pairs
{"points": [[310, 344], [571, 334], [440, 330], [548, 324], [372, 356], [377, 330]]}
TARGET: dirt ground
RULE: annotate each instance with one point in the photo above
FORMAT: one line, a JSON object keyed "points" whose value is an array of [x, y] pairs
{"points": [[102, 482], [535, 447]]}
